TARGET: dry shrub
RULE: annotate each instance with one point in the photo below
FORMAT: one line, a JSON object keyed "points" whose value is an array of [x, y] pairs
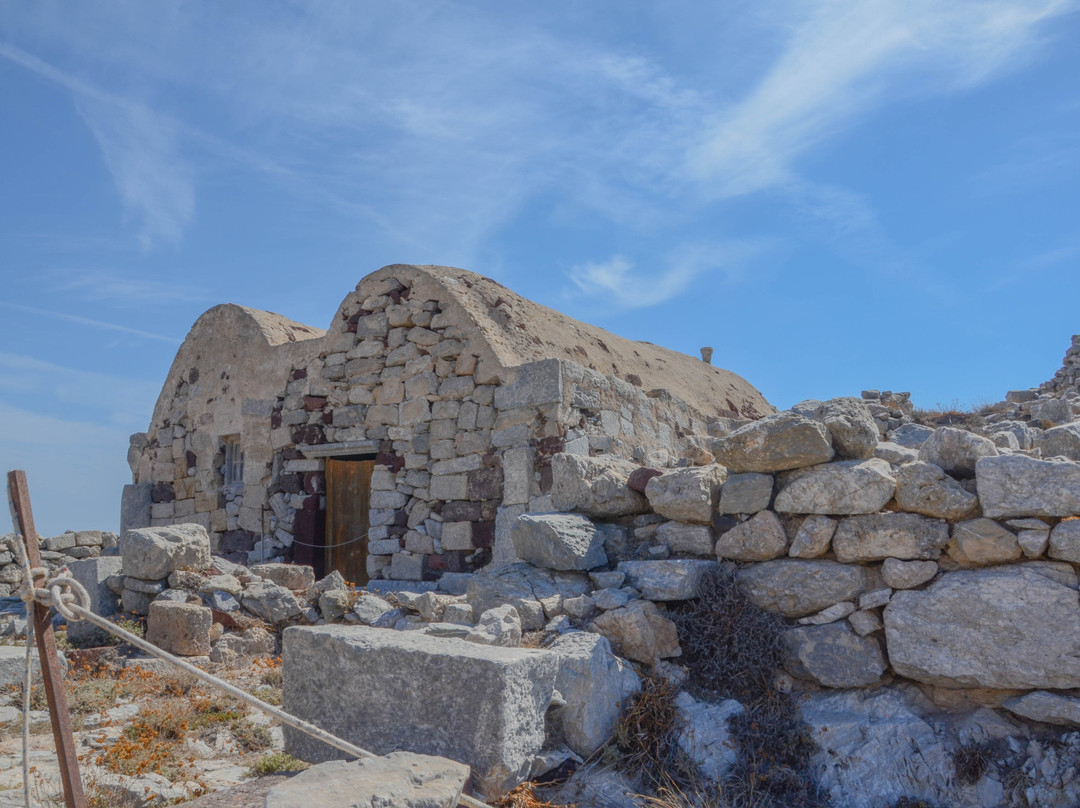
{"points": [[524, 796], [646, 735]]}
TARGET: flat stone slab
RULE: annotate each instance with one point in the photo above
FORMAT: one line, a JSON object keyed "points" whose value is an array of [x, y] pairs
{"points": [[400, 780], [558, 541], [388, 690], [1013, 627], [1015, 485]]}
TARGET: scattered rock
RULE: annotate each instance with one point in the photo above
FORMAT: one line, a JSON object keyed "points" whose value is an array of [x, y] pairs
{"points": [[955, 451], [1050, 708], [294, 577], [500, 625], [1060, 441], [639, 631], [273, 603]]}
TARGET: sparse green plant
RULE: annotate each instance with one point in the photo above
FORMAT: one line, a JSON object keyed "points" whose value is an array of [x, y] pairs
{"points": [[275, 763]]}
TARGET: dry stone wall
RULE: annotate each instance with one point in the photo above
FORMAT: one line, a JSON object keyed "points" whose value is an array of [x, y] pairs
{"points": [[56, 551]]}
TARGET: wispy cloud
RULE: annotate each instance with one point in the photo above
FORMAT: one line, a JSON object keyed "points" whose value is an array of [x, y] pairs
{"points": [[838, 64], [624, 285], [1036, 264], [74, 318], [114, 287]]}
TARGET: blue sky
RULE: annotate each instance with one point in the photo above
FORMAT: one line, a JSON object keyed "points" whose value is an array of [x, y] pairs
{"points": [[834, 195]]}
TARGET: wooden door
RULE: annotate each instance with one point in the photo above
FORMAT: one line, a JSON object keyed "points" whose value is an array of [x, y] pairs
{"points": [[348, 497]]}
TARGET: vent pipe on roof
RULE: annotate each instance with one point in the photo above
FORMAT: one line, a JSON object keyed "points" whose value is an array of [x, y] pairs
{"points": [[706, 355]]}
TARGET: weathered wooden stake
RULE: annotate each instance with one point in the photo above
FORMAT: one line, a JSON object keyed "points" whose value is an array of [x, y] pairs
{"points": [[19, 494]]}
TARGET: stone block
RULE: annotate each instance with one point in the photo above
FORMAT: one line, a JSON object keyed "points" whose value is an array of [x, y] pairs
{"points": [[690, 539], [481, 705], [666, 579], [595, 487], [152, 553], [558, 541], [796, 588], [535, 383], [639, 631], [686, 494], [296, 577], [1015, 485], [180, 628], [956, 451], [833, 655], [875, 537], [777, 442], [760, 538], [135, 505], [746, 493], [93, 573], [846, 487]]}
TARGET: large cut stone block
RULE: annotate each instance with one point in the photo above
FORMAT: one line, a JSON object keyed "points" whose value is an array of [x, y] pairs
{"points": [[92, 573], [1015, 485], [558, 541], [135, 502], [151, 553], [388, 690], [179, 628], [1004, 628], [688, 494], [594, 486], [534, 384], [876, 537]]}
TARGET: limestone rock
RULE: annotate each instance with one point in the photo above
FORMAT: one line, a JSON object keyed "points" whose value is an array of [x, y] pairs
{"points": [[833, 655], [910, 436], [981, 543], [1015, 485], [558, 541], [639, 631], [851, 427], [481, 705], [1002, 627], [93, 574], [796, 588], [874, 749], [151, 553], [666, 579], [760, 538], [746, 493], [865, 621], [274, 604], [838, 611], [1050, 708], [294, 577], [876, 537], [907, 574], [401, 780], [523, 586], [593, 683], [500, 625], [955, 451], [895, 454], [924, 488], [369, 608], [1033, 543], [1061, 441], [706, 736], [594, 486], [847, 487], [776, 442], [1050, 412], [687, 494], [1065, 541], [180, 628], [333, 604], [235, 647], [812, 537], [682, 538]]}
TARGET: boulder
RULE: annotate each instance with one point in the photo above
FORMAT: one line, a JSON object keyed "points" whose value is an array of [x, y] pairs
{"points": [[833, 655], [333, 604], [687, 494], [666, 579], [1015, 485], [910, 436], [874, 749], [523, 586], [295, 577], [924, 488], [1049, 708], [1061, 441], [876, 537], [593, 683], [778, 442], [558, 541], [1050, 412], [1011, 627], [151, 553], [500, 625], [706, 736], [955, 451], [846, 487], [683, 538], [179, 628], [401, 779], [271, 602], [746, 493], [369, 608], [639, 631], [481, 705], [1065, 541], [760, 538], [812, 537], [796, 588], [907, 574], [895, 454], [1023, 434], [851, 427], [594, 486], [982, 543]]}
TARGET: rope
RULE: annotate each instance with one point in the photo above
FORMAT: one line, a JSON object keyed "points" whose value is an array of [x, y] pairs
{"points": [[15, 544], [71, 600]]}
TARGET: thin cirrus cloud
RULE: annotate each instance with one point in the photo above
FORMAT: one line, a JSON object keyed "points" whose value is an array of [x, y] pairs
{"points": [[105, 286]]}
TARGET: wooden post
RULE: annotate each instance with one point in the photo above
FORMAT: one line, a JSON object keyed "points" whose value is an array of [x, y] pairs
{"points": [[19, 495]]}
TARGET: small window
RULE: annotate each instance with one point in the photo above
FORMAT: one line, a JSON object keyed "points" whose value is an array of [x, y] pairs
{"points": [[233, 471]]}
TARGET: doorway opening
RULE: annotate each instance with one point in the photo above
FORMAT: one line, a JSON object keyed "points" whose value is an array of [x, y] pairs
{"points": [[348, 504]]}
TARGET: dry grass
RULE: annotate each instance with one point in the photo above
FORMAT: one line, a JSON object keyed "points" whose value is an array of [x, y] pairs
{"points": [[524, 796]]}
